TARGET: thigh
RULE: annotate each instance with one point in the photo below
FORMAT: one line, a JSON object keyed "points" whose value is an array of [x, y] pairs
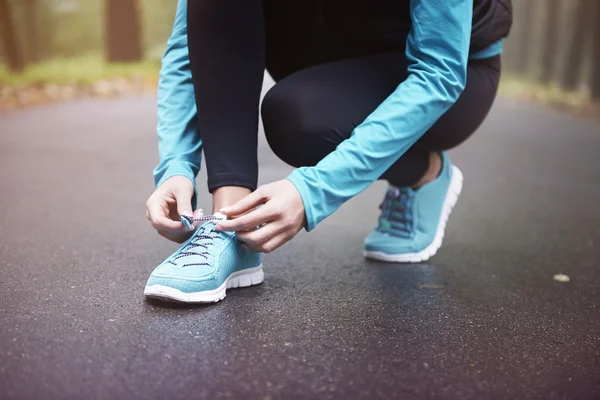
{"points": [[305, 33], [307, 114], [469, 111]]}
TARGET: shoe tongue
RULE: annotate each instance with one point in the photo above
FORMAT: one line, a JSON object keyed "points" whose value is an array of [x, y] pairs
{"points": [[394, 190], [396, 211], [204, 236]]}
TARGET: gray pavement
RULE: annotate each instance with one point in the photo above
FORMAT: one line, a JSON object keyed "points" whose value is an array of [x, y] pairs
{"points": [[483, 319]]}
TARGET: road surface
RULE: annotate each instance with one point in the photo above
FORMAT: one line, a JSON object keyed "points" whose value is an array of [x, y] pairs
{"points": [[483, 319]]}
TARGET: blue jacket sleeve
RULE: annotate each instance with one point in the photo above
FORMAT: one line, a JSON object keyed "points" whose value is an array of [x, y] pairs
{"points": [[179, 144], [437, 49]]}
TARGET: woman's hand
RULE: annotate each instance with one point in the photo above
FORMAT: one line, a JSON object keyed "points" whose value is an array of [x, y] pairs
{"points": [[169, 201], [280, 217]]}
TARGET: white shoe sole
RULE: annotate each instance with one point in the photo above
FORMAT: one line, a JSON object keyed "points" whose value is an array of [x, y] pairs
{"points": [[245, 278], [454, 190]]}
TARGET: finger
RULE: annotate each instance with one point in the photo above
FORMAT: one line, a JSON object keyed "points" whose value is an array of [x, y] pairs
{"points": [[272, 245], [276, 242], [184, 201], [158, 218], [197, 214], [249, 202], [248, 221], [261, 235]]}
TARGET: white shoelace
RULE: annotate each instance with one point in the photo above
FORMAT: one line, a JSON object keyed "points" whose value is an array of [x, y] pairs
{"points": [[188, 221]]}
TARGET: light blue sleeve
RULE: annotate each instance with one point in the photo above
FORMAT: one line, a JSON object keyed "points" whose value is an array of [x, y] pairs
{"points": [[437, 50], [179, 144]]}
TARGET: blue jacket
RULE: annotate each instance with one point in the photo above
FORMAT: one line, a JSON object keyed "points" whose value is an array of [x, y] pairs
{"points": [[438, 48]]}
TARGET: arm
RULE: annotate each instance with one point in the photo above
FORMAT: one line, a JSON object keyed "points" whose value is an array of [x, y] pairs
{"points": [[179, 144], [437, 48]]}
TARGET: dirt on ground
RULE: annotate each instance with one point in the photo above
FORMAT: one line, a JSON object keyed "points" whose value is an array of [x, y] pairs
{"points": [[12, 97]]}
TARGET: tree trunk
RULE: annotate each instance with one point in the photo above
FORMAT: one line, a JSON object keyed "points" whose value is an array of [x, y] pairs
{"points": [[31, 31], [123, 36], [523, 55], [9, 39], [580, 31], [595, 81], [551, 25]]}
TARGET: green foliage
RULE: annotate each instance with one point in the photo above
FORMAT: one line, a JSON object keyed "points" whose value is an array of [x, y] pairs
{"points": [[82, 70], [67, 36], [157, 21], [579, 102], [71, 28]]}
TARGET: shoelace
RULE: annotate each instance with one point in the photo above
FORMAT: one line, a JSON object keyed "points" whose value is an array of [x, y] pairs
{"points": [[201, 239], [396, 208], [188, 221]]}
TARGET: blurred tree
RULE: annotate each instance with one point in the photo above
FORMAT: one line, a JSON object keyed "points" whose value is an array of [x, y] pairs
{"points": [[123, 36], [159, 15], [31, 32], [595, 80], [8, 36], [550, 38], [75, 27], [578, 33], [523, 55]]}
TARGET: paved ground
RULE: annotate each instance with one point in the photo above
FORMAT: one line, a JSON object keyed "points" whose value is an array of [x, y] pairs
{"points": [[484, 319]]}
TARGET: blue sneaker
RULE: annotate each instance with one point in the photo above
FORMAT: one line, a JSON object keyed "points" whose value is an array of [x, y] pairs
{"points": [[208, 264], [412, 222]]}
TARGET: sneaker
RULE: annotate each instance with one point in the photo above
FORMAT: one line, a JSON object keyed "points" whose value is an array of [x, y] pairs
{"points": [[201, 271], [412, 222]]}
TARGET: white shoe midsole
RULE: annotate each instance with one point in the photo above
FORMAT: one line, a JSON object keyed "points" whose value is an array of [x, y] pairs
{"points": [[244, 278]]}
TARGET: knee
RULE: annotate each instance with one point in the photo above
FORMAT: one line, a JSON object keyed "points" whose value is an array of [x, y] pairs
{"points": [[292, 127]]}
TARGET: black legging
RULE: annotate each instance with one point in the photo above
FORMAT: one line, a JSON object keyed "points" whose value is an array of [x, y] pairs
{"points": [[329, 79]]}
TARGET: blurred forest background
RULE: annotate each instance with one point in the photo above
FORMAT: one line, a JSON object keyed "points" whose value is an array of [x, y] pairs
{"points": [[62, 49]]}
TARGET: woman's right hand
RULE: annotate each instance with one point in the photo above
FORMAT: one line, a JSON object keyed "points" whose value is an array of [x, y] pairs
{"points": [[171, 200]]}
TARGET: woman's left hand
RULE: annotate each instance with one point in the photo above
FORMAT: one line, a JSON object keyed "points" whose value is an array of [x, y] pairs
{"points": [[280, 217]]}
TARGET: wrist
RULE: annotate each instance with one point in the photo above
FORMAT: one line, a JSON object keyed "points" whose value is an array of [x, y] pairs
{"points": [[301, 186]]}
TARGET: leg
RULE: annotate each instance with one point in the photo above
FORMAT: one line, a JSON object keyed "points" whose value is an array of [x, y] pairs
{"points": [[226, 50], [453, 128], [310, 112], [307, 114]]}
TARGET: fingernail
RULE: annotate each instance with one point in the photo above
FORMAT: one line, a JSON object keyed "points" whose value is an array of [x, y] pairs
{"points": [[245, 247], [224, 209], [218, 228]]}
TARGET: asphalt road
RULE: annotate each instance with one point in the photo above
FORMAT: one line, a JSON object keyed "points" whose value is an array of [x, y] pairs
{"points": [[483, 319]]}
